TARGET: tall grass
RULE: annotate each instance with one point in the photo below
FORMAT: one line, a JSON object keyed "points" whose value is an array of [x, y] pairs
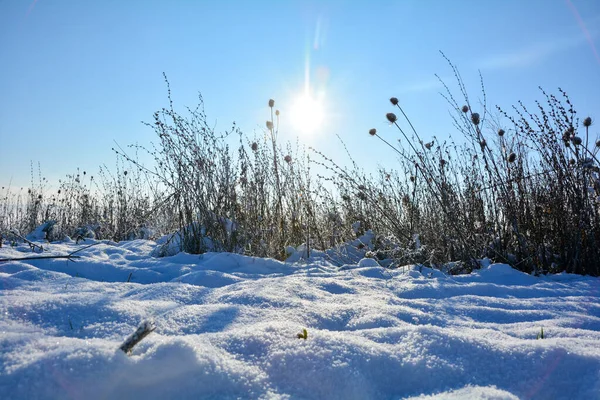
{"points": [[517, 186], [522, 188]]}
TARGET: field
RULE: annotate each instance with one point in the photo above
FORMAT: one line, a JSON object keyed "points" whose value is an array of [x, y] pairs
{"points": [[227, 325], [263, 270]]}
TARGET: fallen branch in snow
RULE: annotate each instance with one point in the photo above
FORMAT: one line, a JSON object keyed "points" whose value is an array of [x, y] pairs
{"points": [[29, 242], [142, 331], [69, 257]]}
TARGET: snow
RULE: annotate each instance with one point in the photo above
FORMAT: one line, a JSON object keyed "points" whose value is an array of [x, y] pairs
{"points": [[226, 326]]}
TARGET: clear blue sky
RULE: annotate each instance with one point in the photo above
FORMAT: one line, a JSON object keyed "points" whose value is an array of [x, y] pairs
{"points": [[77, 75]]}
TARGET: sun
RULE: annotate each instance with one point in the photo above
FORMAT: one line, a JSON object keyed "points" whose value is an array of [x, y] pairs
{"points": [[307, 114]]}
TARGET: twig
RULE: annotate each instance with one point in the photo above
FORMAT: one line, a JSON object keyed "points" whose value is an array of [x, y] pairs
{"points": [[30, 243], [69, 257], [142, 331], [83, 248]]}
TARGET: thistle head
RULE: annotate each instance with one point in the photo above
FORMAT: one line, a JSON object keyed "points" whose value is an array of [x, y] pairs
{"points": [[587, 122], [394, 101], [576, 140], [475, 118], [270, 125], [372, 131], [465, 109], [271, 103], [254, 146], [391, 117], [288, 158], [501, 132], [512, 157]]}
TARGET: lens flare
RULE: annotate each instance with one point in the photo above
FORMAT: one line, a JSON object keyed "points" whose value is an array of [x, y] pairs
{"points": [[584, 29]]}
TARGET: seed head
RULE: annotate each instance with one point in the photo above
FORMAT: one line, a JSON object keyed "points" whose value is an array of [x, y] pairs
{"points": [[465, 109], [501, 132], [512, 157], [372, 131], [254, 146], [475, 118], [270, 125], [277, 112], [391, 117], [271, 103], [288, 159], [572, 161], [587, 122], [576, 140], [394, 101]]}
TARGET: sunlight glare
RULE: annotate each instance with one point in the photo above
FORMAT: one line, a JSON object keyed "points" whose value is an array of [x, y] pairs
{"points": [[307, 114]]}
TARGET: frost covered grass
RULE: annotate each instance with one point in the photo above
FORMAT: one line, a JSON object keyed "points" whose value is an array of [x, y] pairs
{"points": [[227, 326], [520, 188]]}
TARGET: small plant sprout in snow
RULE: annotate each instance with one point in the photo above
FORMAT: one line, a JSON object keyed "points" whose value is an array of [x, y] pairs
{"points": [[541, 334], [303, 335]]}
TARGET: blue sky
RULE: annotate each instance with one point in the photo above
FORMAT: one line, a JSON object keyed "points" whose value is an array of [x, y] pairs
{"points": [[75, 76]]}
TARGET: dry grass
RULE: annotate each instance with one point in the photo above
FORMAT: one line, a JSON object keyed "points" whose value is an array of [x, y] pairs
{"points": [[521, 187]]}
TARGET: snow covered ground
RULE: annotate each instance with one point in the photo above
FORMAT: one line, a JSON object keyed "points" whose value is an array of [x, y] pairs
{"points": [[227, 325]]}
